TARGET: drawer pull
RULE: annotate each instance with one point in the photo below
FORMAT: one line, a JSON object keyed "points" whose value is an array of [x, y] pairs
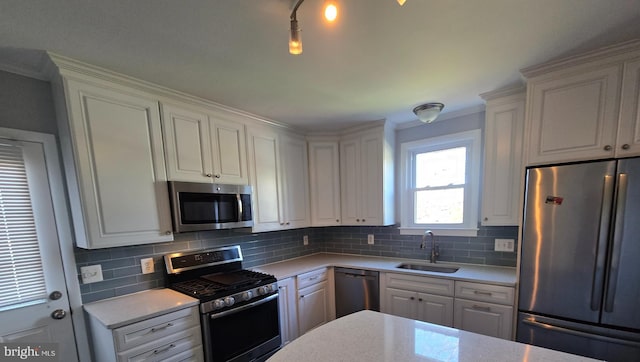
{"points": [[477, 292], [313, 278], [158, 351], [484, 309], [156, 329]]}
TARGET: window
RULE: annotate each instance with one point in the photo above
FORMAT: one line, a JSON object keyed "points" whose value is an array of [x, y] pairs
{"points": [[440, 184], [21, 273]]}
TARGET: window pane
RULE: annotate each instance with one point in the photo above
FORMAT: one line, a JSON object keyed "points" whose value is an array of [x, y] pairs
{"points": [[441, 168], [21, 274], [440, 206]]}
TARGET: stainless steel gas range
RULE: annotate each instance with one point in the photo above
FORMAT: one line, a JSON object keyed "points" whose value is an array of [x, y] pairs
{"points": [[238, 307]]}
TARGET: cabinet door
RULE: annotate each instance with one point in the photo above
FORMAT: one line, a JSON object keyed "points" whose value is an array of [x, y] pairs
{"points": [[313, 308], [402, 303], [288, 310], [295, 180], [121, 193], [187, 144], [628, 142], [229, 152], [324, 183], [350, 188], [574, 117], [503, 166], [371, 173], [265, 178], [435, 309], [484, 318]]}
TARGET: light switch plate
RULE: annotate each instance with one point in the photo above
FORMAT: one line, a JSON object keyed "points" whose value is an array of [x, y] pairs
{"points": [[504, 245], [305, 240], [147, 265], [370, 239], [91, 273]]}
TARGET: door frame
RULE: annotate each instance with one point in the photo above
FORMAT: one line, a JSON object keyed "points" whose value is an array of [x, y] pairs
{"points": [[64, 229]]}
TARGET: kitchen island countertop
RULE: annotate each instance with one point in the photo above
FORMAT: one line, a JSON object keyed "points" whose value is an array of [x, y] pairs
{"points": [[373, 336], [497, 275]]}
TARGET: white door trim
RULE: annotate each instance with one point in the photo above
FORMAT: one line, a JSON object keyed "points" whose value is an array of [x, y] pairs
{"points": [[63, 225]]}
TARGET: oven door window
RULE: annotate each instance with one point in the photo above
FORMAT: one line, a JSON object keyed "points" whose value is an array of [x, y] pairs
{"points": [[198, 208], [237, 333]]}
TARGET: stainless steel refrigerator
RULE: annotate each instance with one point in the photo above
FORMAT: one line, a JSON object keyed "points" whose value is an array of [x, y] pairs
{"points": [[580, 266]]}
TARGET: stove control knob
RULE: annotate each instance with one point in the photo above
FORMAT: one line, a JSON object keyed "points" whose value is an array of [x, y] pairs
{"points": [[264, 290], [229, 301], [219, 303], [247, 295]]}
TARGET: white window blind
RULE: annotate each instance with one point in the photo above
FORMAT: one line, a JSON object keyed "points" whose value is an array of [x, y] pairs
{"points": [[21, 274]]}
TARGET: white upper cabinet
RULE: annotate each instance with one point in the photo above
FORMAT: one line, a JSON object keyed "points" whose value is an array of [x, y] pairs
{"points": [[629, 125], [279, 176], [295, 176], [366, 175], [503, 165], [584, 107], [203, 148], [324, 182], [112, 148]]}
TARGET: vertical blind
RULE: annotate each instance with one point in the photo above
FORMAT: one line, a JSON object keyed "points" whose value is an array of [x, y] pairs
{"points": [[21, 273]]}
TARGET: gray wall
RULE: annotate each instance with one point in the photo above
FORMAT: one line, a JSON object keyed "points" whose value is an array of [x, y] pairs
{"points": [[27, 104]]}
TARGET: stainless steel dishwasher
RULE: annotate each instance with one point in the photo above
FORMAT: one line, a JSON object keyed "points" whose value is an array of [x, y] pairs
{"points": [[356, 290]]}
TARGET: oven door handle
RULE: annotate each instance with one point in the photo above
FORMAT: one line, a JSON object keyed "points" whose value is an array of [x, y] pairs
{"points": [[244, 307]]}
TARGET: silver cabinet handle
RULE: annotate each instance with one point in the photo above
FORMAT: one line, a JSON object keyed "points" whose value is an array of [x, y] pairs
{"points": [[208, 175], [607, 148], [478, 292], [217, 176], [158, 351], [156, 329], [626, 146], [481, 308]]}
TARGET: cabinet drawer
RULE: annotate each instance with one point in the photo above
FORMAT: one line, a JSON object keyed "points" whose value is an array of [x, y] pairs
{"points": [[485, 318], [312, 277], [485, 292], [165, 348], [155, 328], [420, 284]]}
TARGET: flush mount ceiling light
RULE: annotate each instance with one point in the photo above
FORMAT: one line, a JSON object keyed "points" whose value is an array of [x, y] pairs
{"points": [[428, 112], [330, 11]]}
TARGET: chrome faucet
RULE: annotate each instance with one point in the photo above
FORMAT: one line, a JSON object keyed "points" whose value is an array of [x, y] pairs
{"points": [[435, 250]]}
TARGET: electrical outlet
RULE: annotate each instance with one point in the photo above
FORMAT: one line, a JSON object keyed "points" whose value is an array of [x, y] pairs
{"points": [[370, 239], [305, 240], [91, 273], [147, 265], [504, 245]]}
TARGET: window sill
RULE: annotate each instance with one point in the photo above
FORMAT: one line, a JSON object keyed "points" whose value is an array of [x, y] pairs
{"points": [[439, 232]]}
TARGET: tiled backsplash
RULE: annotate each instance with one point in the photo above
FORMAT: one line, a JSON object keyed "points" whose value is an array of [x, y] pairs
{"points": [[123, 275]]}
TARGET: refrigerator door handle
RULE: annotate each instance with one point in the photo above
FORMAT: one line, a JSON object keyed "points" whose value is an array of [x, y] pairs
{"points": [[579, 333], [603, 236], [612, 277]]}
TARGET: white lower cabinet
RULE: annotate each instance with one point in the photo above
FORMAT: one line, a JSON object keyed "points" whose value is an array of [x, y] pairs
{"points": [[484, 308], [474, 307], [174, 336], [416, 297], [288, 310], [315, 299]]}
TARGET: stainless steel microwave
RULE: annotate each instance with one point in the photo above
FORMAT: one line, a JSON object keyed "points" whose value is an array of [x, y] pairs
{"points": [[201, 206]]}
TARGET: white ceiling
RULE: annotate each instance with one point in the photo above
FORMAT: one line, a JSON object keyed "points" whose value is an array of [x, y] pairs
{"points": [[377, 62]]}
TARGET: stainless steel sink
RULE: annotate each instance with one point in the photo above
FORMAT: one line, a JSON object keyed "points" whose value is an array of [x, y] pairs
{"points": [[429, 268]]}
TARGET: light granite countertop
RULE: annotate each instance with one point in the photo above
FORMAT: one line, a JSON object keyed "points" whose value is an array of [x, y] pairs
{"points": [[373, 336], [118, 311], [505, 276]]}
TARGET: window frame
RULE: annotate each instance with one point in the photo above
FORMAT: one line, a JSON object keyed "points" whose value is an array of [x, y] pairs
{"points": [[469, 139]]}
